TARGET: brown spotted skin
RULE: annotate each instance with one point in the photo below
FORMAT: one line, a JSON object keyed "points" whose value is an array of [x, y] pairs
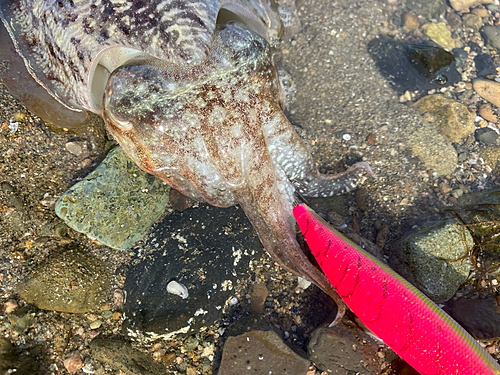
{"points": [[216, 132]]}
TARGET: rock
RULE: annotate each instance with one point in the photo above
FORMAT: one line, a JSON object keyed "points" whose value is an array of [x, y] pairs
{"points": [[433, 150], [491, 34], [69, 280], [472, 20], [13, 363], [438, 278], [427, 8], [439, 33], [466, 4], [73, 362], [486, 112], [485, 65], [480, 11], [337, 350], [488, 90], [486, 135], [21, 319], [480, 317], [260, 352], [410, 21], [452, 118], [119, 354], [491, 156], [115, 204], [453, 20], [205, 248], [413, 67]]}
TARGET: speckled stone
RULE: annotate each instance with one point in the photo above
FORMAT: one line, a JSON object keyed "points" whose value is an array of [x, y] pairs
{"points": [[433, 149], [491, 156], [260, 352], [69, 280], [438, 279], [452, 118], [115, 204], [489, 90]]}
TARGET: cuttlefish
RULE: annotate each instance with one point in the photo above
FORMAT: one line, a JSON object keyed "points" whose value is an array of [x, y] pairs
{"points": [[195, 102]]}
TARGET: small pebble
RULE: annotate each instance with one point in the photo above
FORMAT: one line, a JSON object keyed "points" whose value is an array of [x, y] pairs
{"points": [[96, 324], [73, 362], [486, 135]]}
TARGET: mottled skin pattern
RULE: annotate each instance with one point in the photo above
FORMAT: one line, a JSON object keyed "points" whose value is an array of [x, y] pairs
{"points": [[62, 41], [195, 105], [216, 132]]}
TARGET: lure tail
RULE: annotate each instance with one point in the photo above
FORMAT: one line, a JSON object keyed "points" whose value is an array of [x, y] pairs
{"points": [[393, 309]]}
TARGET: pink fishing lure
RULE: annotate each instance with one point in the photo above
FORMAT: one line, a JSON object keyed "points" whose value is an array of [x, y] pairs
{"points": [[399, 314]]}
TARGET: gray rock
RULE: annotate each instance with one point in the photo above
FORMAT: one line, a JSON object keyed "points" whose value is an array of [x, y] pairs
{"points": [[13, 363], [480, 317], [115, 204], [486, 135], [69, 280], [492, 36], [207, 250], [260, 352], [428, 253], [336, 350], [427, 8], [119, 354]]}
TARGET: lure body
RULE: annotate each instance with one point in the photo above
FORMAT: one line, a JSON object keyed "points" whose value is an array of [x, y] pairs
{"points": [[398, 313]]}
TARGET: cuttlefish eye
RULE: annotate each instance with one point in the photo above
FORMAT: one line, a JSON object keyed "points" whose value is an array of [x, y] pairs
{"points": [[127, 96]]}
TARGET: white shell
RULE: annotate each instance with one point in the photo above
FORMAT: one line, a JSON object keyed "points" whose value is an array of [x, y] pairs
{"points": [[177, 288]]}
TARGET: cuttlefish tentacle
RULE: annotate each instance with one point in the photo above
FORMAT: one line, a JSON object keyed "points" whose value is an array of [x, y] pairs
{"points": [[290, 152]]}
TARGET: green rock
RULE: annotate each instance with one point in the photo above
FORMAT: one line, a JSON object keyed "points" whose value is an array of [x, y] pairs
{"points": [[452, 118], [116, 204], [69, 280], [439, 33], [434, 257]]}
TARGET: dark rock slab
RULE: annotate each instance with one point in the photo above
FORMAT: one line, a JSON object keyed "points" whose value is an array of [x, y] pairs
{"points": [[337, 350], [260, 352], [69, 280], [413, 67], [480, 317], [119, 354], [205, 248]]}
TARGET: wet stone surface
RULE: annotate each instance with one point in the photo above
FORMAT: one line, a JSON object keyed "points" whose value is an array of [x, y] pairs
{"points": [[205, 249], [434, 258], [115, 204], [69, 280], [260, 352]]}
